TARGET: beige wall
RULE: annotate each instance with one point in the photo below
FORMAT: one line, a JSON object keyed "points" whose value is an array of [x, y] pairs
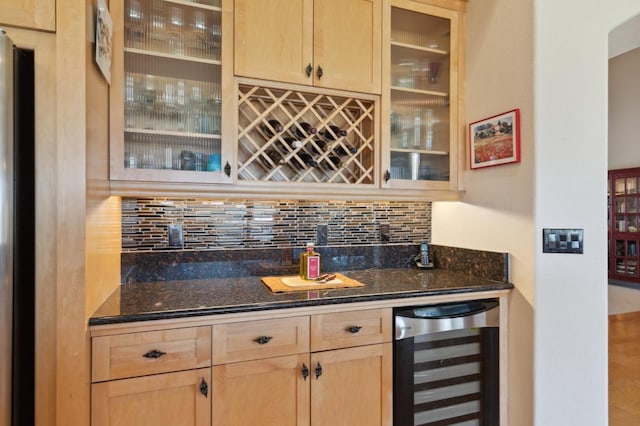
{"points": [[624, 110], [496, 212]]}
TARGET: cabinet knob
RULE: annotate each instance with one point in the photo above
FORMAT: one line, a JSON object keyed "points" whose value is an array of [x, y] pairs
{"points": [[154, 354], [204, 387], [387, 176], [263, 340], [308, 70], [305, 371], [354, 329], [318, 370], [319, 72], [227, 169]]}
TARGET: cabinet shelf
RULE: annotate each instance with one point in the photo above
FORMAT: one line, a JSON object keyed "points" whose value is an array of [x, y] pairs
{"points": [[195, 5], [184, 58], [419, 151], [173, 133], [409, 90], [413, 47]]}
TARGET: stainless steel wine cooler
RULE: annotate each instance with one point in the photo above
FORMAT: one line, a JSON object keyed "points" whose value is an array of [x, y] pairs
{"points": [[446, 364]]}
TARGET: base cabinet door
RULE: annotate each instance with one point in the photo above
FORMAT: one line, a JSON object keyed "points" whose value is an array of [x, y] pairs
{"points": [[265, 392], [176, 399], [352, 386]]}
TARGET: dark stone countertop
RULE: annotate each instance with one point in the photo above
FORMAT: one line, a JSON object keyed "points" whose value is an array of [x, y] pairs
{"points": [[196, 297]]}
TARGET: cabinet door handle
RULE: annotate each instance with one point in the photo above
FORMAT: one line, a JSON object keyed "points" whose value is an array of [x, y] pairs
{"points": [[305, 371], [387, 176], [354, 329], [263, 340], [154, 354], [227, 169], [318, 370], [319, 72], [308, 70], [204, 387]]}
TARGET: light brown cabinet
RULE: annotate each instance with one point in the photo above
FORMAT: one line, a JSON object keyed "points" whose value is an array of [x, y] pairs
{"points": [[326, 43], [171, 80], [282, 386], [422, 103], [33, 14], [152, 377]]}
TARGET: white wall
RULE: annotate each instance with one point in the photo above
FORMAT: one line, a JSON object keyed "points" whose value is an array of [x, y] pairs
{"points": [[624, 109], [550, 60]]}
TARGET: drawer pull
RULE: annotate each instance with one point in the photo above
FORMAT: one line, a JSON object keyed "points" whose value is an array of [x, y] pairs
{"points": [[204, 387], [263, 340], [354, 329], [154, 354], [305, 371]]}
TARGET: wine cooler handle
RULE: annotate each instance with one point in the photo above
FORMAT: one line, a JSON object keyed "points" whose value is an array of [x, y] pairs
{"points": [[387, 176], [319, 73], [309, 70]]}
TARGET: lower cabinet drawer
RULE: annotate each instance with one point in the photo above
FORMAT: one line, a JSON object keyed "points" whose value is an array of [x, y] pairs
{"points": [[150, 352], [250, 340], [351, 328]]}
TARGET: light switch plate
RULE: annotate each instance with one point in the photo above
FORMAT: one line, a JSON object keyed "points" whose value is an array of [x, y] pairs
{"points": [[562, 240]]}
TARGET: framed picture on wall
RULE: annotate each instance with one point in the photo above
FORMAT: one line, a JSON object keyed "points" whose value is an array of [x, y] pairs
{"points": [[495, 140]]}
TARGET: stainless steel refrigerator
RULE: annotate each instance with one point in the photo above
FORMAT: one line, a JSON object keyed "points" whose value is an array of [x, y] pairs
{"points": [[17, 234]]}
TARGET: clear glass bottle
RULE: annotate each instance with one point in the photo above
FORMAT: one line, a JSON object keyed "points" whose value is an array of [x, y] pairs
{"points": [[310, 263]]}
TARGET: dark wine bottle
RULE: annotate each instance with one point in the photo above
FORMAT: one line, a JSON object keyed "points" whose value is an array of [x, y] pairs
{"points": [[273, 125], [332, 163], [293, 143], [344, 150], [334, 132], [307, 159], [274, 156], [319, 147], [302, 130]]}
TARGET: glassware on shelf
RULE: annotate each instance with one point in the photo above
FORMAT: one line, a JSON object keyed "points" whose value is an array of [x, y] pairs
{"points": [[149, 102], [175, 32], [132, 100], [157, 33], [198, 37], [134, 25]]}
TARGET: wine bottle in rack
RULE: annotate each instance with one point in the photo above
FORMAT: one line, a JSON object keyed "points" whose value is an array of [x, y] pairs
{"points": [[292, 143], [318, 146], [307, 159], [303, 129], [334, 132], [344, 149], [274, 156], [332, 163], [270, 127]]}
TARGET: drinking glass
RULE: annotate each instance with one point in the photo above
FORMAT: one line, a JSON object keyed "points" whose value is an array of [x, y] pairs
{"points": [[176, 21], [134, 24]]}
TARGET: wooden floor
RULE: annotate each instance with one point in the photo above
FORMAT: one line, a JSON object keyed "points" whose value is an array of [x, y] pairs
{"points": [[624, 369]]}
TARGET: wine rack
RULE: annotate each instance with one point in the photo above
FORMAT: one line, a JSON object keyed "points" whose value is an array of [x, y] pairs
{"points": [[326, 157]]}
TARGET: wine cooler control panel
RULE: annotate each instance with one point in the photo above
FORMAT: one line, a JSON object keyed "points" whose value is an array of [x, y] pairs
{"points": [[562, 240]]}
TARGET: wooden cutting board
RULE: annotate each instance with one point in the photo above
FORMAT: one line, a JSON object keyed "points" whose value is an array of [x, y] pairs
{"points": [[295, 283]]}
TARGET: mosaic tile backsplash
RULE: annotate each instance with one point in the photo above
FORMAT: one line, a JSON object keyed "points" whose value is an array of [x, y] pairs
{"points": [[221, 224]]}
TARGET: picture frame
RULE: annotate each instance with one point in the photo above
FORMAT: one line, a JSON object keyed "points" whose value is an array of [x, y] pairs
{"points": [[104, 34], [495, 140]]}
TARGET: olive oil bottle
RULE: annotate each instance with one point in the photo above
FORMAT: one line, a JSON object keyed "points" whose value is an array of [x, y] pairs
{"points": [[310, 263]]}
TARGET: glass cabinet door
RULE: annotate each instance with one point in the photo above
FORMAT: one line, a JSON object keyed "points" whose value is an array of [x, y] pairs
{"points": [[169, 90], [422, 95]]}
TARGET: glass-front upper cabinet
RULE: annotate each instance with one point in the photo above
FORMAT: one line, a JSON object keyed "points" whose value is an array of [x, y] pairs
{"points": [[167, 91], [419, 131]]}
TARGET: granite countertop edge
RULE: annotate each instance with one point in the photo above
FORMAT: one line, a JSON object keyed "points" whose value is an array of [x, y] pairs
{"points": [[260, 299]]}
